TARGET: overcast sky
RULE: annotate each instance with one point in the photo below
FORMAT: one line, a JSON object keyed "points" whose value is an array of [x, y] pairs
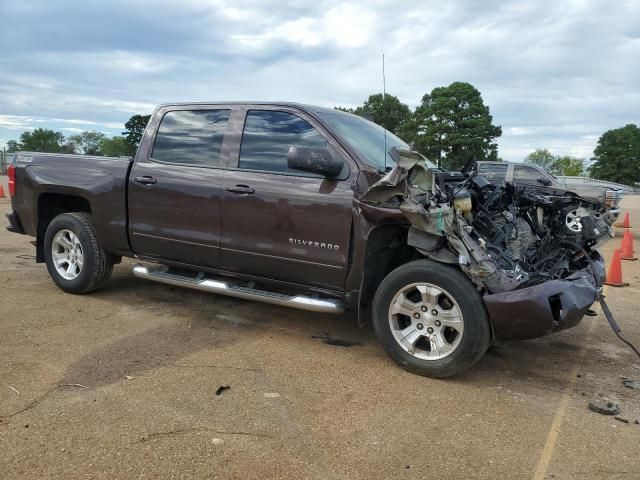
{"points": [[555, 74]]}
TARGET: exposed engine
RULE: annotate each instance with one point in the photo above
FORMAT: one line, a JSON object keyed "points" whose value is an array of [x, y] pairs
{"points": [[503, 237]]}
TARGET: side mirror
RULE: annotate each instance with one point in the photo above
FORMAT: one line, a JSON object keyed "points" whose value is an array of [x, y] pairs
{"points": [[314, 160], [544, 181]]}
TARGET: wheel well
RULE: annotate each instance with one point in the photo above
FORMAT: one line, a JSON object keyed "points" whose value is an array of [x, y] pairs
{"points": [[50, 205], [387, 249]]}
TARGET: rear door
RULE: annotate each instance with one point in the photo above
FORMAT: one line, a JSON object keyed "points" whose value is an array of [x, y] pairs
{"points": [[175, 187], [279, 223]]}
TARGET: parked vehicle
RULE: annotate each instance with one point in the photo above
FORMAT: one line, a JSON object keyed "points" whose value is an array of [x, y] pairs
{"points": [[602, 201], [319, 210]]}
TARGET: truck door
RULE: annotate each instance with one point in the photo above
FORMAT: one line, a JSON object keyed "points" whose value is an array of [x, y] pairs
{"points": [[279, 223], [175, 187]]}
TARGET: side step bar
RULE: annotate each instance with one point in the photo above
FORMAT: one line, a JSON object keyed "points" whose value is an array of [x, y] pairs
{"points": [[222, 287]]}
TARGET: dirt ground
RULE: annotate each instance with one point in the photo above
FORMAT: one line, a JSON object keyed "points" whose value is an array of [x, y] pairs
{"points": [[122, 384]]}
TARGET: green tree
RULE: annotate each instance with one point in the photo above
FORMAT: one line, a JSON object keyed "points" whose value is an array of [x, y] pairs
{"points": [[44, 140], [617, 155], [88, 142], [114, 147], [555, 164], [568, 165], [13, 146], [134, 128], [452, 125], [385, 110], [543, 158]]}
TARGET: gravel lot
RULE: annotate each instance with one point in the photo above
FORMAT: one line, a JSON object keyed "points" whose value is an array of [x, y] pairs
{"points": [[122, 384]]}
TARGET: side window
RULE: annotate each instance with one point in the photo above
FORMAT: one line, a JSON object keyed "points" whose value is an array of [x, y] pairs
{"points": [[523, 173], [493, 171], [267, 137], [191, 137]]}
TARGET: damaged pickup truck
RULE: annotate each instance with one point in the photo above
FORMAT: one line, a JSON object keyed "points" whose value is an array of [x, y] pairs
{"points": [[319, 210]]}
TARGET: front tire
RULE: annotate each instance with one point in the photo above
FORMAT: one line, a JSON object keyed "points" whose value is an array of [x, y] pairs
{"points": [[74, 258], [430, 319]]}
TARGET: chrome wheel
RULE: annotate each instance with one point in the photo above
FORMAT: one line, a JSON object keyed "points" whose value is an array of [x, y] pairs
{"points": [[572, 220], [66, 253], [426, 321]]}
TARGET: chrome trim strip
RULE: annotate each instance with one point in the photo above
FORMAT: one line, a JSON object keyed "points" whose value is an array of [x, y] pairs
{"points": [[201, 283]]}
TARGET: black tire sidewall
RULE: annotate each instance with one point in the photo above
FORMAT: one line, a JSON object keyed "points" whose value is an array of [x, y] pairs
{"points": [[476, 335], [82, 281]]}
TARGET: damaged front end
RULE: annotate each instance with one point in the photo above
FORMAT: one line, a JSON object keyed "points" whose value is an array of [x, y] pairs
{"points": [[535, 276]]}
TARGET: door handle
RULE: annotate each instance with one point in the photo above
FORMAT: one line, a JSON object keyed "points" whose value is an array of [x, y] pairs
{"points": [[243, 189], [146, 180]]}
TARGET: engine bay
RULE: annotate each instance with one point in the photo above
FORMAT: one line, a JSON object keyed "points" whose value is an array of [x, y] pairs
{"points": [[503, 237]]}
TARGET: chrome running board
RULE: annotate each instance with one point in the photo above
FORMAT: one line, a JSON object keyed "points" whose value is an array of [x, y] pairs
{"points": [[223, 287]]}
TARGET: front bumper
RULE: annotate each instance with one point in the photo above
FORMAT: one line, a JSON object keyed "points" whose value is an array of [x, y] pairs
{"points": [[545, 308], [14, 223]]}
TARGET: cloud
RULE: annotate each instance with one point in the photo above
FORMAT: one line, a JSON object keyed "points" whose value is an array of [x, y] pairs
{"points": [[345, 26], [555, 74]]}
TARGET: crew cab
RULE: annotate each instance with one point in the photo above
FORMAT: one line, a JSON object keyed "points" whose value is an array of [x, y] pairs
{"points": [[315, 209]]}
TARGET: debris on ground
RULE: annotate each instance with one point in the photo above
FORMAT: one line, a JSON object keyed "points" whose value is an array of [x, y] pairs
{"points": [[271, 394], [631, 384], [621, 419], [129, 377], [222, 388], [604, 407], [326, 338]]}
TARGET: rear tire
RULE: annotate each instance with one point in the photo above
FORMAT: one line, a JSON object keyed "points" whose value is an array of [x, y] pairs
{"points": [[74, 258], [430, 319]]}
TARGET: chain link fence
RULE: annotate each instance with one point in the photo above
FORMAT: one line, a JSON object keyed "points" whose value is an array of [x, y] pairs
{"points": [[568, 180]]}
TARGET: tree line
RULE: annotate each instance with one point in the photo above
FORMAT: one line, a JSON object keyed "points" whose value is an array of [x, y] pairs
{"points": [[87, 143], [450, 126]]}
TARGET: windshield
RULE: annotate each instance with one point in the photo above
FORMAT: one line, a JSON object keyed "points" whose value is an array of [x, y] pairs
{"points": [[366, 137]]}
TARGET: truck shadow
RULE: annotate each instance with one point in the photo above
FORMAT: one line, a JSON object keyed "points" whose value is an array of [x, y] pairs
{"points": [[183, 321]]}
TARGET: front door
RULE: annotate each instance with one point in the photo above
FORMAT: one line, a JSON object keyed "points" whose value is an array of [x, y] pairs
{"points": [[175, 189], [279, 223]]}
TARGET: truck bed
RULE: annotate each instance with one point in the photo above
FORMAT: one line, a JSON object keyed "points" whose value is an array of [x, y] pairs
{"points": [[96, 183]]}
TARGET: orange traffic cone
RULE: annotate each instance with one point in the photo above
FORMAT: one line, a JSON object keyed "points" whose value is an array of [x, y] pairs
{"points": [[2, 195], [614, 275], [627, 246], [625, 223]]}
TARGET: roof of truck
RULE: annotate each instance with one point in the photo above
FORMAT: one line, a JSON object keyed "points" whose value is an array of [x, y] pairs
{"points": [[302, 106]]}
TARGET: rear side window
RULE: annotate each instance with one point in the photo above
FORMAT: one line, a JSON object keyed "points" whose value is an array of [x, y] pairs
{"points": [[191, 137], [493, 171], [269, 134]]}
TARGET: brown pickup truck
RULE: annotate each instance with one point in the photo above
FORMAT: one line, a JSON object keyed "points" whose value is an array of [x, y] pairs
{"points": [[319, 210]]}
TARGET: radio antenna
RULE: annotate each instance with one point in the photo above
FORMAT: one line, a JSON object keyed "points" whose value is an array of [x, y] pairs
{"points": [[384, 97]]}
